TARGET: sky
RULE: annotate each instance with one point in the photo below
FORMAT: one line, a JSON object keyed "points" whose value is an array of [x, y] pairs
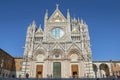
{"points": [[101, 16]]}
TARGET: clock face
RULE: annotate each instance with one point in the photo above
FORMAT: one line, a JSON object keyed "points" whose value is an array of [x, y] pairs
{"points": [[57, 33]]}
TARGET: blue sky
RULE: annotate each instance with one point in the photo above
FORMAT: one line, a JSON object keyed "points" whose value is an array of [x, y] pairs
{"points": [[102, 17]]}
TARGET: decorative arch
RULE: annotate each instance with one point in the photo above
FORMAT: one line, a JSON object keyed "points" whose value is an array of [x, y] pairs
{"points": [[57, 53], [104, 70], [95, 69], [74, 54], [39, 55]]}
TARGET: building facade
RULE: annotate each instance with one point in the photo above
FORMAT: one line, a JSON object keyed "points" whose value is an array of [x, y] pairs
{"points": [[18, 66], [11, 67], [61, 50], [103, 69], [115, 67], [6, 64]]}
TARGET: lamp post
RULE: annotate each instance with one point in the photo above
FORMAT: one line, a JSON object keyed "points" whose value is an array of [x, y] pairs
{"points": [[1, 66]]}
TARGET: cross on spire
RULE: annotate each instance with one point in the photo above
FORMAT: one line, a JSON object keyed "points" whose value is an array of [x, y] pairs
{"points": [[57, 5]]}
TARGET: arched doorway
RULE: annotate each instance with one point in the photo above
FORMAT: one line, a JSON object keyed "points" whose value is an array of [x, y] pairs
{"points": [[74, 56], [95, 70], [39, 56], [75, 71], [39, 71], [104, 70]]}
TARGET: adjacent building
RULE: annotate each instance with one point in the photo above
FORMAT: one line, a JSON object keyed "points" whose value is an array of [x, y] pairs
{"points": [[103, 69], [115, 68], [18, 65], [7, 67]]}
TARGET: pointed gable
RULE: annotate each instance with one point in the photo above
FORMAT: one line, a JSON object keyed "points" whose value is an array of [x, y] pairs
{"points": [[39, 31], [73, 46], [57, 16], [40, 46], [57, 46]]}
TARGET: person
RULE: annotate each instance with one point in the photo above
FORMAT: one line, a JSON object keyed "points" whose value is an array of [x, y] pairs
{"points": [[97, 79], [13, 76], [74, 76], [51, 76], [19, 76], [47, 76], [27, 75]]}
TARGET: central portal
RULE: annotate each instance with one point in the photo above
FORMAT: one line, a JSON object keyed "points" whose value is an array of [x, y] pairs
{"points": [[56, 70]]}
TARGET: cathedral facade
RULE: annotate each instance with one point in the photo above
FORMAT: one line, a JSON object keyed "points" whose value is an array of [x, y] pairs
{"points": [[61, 50]]}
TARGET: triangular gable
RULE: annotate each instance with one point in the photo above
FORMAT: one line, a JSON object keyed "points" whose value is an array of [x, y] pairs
{"points": [[57, 46], [73, 46], [57, 16], [40, 46], [39, 31]]}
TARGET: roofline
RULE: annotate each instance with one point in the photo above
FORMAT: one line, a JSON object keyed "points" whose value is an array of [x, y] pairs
{"points": [[18, 57], [108, 61], [10, 55], [6, 53]]}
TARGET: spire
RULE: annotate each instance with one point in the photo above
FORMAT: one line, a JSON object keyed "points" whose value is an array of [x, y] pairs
{"points": [[78, 19], [33, 24], [57, 6], [84, 22], [46, 11], [46, 14], [68, 10], [68, 14], [74, 20], [81, 21], [39, 30], [40, 26]]}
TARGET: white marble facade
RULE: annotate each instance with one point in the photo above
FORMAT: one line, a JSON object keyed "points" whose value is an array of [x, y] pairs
{"points": [[64, 43]]}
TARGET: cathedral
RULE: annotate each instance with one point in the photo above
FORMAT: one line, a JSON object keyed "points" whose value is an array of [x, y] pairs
{"points": [[61, 50]]}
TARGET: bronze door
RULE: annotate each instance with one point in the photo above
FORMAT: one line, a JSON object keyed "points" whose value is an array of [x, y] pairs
{"points": [[74, 69], [56, 70], [39, 71]]}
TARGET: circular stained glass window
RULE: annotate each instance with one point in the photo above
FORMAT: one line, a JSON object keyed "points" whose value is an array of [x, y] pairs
{"points": [[57, 33]]}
